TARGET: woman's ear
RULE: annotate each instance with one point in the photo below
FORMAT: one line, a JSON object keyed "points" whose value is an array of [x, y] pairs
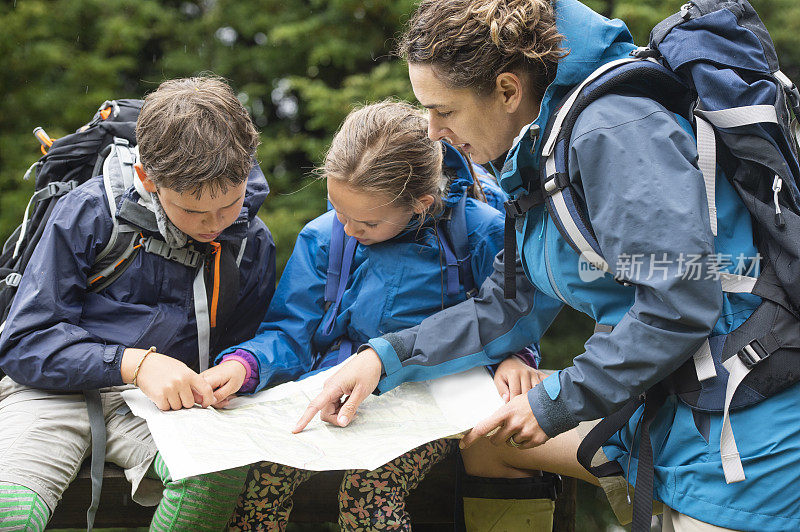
{"points": [[146, 181], [423, 203], [509, 88]]}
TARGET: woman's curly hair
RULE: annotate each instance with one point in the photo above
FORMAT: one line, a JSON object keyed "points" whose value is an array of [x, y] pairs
{"points": [[470, 42]]}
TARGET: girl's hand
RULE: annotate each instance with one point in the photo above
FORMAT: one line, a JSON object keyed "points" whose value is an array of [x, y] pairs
{"points": [[168, 382], [355, 381], [226, 379], [514, 377]]}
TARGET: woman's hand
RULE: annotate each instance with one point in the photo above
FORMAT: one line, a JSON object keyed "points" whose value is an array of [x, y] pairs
{"points": [[514, 377], [514, 419], [355, 381], [225, 378], [167, 381]]}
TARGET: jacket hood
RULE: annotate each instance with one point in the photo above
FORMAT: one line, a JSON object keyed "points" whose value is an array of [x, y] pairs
{"points": [[462, 180], [257, 191], [591, 40]]}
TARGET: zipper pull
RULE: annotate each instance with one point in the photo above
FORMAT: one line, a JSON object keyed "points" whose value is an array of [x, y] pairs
{"points": [[777, 184]]}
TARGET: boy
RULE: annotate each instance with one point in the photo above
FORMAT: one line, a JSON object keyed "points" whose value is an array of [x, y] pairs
{"points": [[196, 185]]}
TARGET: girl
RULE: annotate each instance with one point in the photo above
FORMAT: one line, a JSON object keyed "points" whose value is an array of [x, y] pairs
{"points": [[398, 198], [492, 72]]}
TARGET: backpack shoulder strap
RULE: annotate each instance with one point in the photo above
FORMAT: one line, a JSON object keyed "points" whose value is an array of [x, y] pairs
{"points": [[634, 75], [125, 241], [340, 261], [455, 243]]}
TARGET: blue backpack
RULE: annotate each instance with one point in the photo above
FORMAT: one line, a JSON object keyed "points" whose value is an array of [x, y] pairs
{"points": [[713, 64]]}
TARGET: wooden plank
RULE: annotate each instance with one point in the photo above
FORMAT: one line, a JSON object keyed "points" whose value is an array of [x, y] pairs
{"points": [[430, 505]]}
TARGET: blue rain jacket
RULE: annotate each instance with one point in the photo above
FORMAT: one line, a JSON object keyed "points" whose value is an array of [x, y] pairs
{"points": [[58, 336], [392, 285], [645, 198]]}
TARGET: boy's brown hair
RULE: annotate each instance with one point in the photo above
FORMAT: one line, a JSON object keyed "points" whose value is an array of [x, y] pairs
{"points": [[194, 135]]}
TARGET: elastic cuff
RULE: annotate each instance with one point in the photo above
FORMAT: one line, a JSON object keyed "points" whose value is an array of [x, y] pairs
{"points": [[385, 349], [243, 361], [528, 357], [112, 357], [551, 414]]}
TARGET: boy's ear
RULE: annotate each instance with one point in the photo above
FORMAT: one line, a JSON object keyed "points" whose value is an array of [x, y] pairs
{"points": [[146, 182], [423, 203]]}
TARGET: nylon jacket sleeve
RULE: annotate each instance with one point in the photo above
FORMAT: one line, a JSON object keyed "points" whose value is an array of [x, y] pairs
{"points": [[646, 201], [479, 331], [42, 344], [257, 272], [283, 344]]}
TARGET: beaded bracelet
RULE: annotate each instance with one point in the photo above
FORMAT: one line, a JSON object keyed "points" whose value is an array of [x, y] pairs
{"points": [[139, 365]]}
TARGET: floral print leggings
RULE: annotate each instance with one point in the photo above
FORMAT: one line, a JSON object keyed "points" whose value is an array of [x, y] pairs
{"points": [[368, 500]]}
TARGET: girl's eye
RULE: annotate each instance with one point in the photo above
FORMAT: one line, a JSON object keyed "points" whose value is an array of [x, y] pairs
{"points": [[444, 114], [371, 226]]}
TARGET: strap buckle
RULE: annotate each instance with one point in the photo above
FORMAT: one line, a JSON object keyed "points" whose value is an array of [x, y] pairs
{"points": [[513, 208], [752, 354], [55, 189], [187, 256], [12, 279], [556, 183]]}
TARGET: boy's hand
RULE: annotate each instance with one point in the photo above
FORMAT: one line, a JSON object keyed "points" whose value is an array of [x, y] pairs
{"points": [[226, 379], [514, 377], [168, 382]]}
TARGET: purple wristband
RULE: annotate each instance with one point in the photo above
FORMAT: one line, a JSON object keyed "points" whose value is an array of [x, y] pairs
{"points": [[251, 367]]}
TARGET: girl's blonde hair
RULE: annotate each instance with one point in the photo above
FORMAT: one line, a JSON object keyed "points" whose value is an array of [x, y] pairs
{"points": [[471, 42], [384, 149]]}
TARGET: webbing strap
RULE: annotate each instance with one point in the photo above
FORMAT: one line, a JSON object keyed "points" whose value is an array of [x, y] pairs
{"points": [[643, 495], [737, 284], [345, 350], [335, 251], [52, 190], [704, 362], [510, 259], [451, 262], [707, 161], [202, 318], [341, 276], [740, 116], [97, 427], [729, 453], [459, 239], [599, 435]]}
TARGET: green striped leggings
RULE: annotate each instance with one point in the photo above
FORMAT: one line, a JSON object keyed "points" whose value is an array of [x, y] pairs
{"points": [[198, 503]]}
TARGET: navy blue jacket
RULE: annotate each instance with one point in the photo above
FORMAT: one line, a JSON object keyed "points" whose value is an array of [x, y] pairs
{"points": [[59, 336]]}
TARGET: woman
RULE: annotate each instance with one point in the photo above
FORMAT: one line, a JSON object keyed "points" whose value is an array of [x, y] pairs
{"points": [[511, 62]]}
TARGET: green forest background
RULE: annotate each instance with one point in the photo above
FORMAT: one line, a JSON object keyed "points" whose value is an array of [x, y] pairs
{"points": [[299, 66]]}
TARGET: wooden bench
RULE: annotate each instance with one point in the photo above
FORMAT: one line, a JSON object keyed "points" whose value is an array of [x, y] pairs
{"points": [[430, 505]]}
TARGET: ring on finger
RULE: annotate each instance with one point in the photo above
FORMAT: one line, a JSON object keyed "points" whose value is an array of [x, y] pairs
{"points": [[512, 442]]}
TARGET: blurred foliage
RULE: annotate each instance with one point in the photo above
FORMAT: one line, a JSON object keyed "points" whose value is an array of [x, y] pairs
{"points": [[298, 66]]}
